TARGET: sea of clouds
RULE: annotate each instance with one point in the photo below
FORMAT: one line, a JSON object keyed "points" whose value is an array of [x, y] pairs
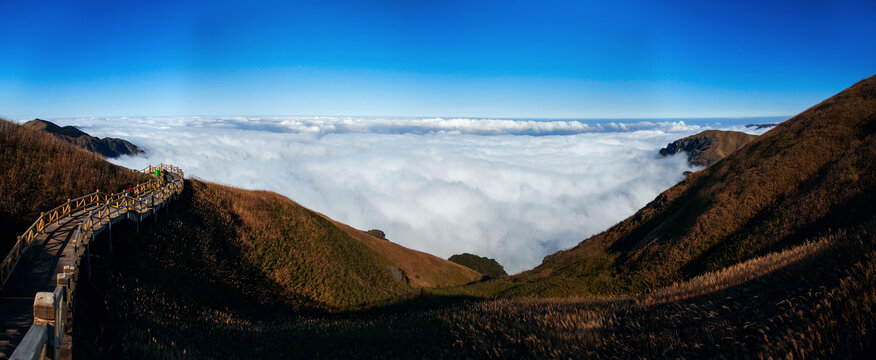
{"points": [[514, 190]]}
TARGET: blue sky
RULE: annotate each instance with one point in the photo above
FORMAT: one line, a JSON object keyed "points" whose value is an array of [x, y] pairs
{"points": [[538, 59]]}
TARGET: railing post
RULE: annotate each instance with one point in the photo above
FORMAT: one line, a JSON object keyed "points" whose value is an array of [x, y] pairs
{"points": [[44, 314], [44, 307]]}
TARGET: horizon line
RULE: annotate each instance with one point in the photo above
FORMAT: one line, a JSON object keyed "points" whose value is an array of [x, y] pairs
{"points": [[413, 117]]}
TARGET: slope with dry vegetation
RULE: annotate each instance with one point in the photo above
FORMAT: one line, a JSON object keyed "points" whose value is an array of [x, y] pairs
{"points": [[808, 176], [314, 260], [816, 300]]}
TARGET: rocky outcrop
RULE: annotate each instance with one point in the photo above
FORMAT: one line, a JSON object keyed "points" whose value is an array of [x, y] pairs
{"points": [[709, 146], [107, 147]]}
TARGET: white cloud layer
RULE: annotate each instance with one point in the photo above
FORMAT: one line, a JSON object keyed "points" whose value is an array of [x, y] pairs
{"points": [[515, 190]]}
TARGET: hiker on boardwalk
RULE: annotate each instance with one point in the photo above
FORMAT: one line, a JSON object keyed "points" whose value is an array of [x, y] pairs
{"points": [[130, 192]]}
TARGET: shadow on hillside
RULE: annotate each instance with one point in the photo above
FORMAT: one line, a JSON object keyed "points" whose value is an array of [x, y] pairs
{"points": [[765, 225]]}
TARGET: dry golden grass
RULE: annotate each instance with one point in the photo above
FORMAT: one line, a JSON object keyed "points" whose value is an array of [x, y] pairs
{"points": [[734, 275], [815, 301]]}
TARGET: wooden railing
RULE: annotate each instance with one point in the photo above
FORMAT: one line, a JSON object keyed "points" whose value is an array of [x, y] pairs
{"points": [[53, 310], [50, 217]]}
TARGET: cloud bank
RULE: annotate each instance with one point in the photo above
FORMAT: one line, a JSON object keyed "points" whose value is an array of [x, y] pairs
{"points": [[514, 190]]}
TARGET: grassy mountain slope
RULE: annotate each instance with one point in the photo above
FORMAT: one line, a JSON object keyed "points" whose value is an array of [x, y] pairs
{"points": [[808, 176], [819, 302], [319, 262], [229, 268], [39, 172]]}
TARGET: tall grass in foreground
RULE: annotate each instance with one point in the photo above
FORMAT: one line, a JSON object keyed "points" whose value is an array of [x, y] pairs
{"points": [[817, 300], [736, 274]]}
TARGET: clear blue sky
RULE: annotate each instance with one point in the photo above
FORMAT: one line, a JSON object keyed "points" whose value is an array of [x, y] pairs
{"points": [[574, 59]]}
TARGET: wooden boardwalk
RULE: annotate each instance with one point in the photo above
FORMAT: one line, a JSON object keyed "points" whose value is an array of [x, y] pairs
{"points": [[55, 253]]}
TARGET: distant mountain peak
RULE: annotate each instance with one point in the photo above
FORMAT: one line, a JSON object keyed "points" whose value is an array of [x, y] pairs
{"points": [[107, 147], [51, 127]]}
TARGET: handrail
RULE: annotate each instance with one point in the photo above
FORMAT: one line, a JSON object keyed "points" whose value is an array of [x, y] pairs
{"points": [[39, 225], [53, 315]]}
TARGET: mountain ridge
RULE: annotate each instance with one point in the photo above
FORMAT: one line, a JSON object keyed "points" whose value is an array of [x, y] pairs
{"points": [[107, 147]]}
